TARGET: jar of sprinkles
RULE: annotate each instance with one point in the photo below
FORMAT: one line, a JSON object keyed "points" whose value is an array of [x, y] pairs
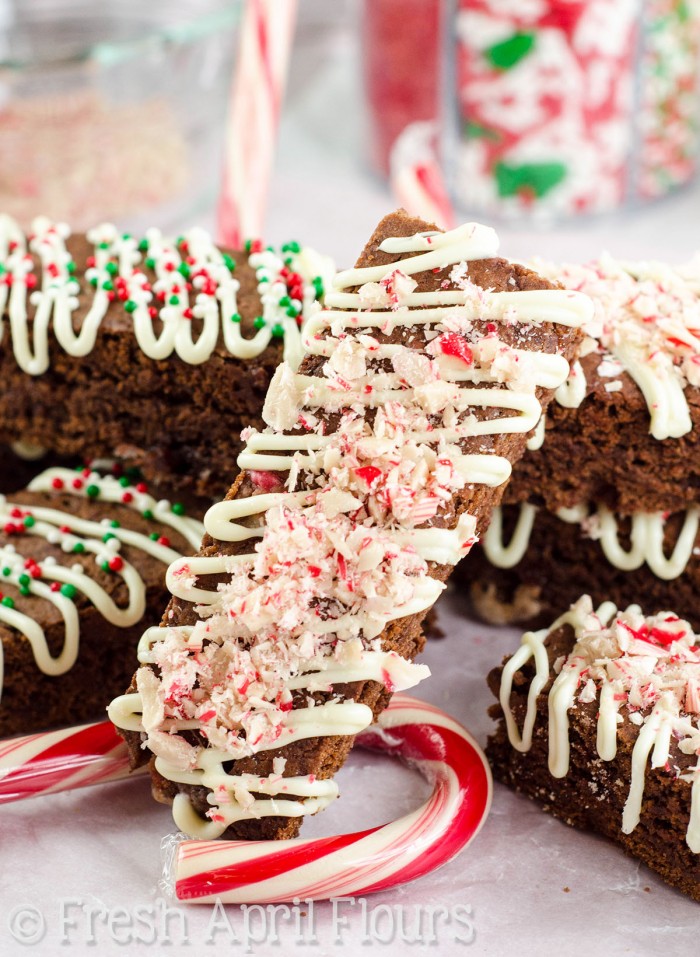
{"points": [[567, 107]]}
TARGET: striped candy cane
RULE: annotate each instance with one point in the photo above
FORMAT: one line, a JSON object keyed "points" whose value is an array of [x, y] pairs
{"points": [[61, 761], [373, 860], [256, 102], [417, 181]]}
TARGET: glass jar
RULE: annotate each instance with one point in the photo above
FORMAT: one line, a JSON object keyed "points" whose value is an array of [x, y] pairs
{"points": [[113, 111], [568, 107], [400, 41]]}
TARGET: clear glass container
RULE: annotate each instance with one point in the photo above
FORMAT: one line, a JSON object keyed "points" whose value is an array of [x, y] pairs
{"points": [[114, 111]]}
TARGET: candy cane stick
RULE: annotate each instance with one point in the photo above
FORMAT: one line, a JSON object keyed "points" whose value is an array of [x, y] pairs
{"points": [[61, 761], [367, 861], [256, 100], [265, 872], [416, 178]]}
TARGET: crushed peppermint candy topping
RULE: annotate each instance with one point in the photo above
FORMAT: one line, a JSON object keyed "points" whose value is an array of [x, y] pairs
{"points": [[647, 660], [650, 307], [312, 578], [646, 322], [625, 669], [398, 287], [374, 461], [381, 474], [452, 344], [327, 576]]}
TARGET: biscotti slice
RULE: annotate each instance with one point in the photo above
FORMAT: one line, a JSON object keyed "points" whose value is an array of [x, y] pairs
{"points": [[381, 462], [630, 410], [82, 571], [157, 350], [22, 461], [533, 562], [599, 722], [626, 517]]}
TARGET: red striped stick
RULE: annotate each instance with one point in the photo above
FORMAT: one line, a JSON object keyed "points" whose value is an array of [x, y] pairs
{"points": [[61, 761], [256, 102], [416, 176], [270, 871], [367, 861]]}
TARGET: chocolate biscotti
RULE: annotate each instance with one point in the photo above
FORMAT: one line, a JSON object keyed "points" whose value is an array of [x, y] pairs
{"points": [[158, 351], [82, 572], [20, 462], [381, 461], [610, 557], [609, 499], [599, 722]]}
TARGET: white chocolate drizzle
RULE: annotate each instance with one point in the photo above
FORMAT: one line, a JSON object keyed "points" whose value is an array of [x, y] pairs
{"points": [[645, 671], [571, 393], [600, 524], [100, 541], [510, 555], [536, 440], [342, 521], [193, 280], [646, 541], [28, 451], [646, 323]]}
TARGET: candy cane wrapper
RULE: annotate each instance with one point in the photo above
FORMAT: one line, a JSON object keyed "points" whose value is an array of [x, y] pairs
{"points": [[364, 862]]}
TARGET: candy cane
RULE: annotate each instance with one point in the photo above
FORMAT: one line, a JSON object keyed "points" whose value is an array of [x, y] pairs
{"points": [[256, 100], [265, 872], [417, 180], [61, 761], [367, 861]]}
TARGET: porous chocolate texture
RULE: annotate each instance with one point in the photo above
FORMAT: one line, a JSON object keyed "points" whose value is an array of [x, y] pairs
{"points": [[17, 471], [323, 757], [560, 563], [32, 700], [593, 793], [604, 452], [177, 422]]}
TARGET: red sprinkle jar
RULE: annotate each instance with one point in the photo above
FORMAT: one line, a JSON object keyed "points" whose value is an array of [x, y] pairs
{"points": [[401, 48]]}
